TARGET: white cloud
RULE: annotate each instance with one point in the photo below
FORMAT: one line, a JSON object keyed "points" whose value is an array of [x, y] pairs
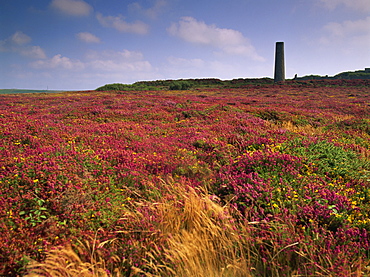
{"points": [[120, 66], [17, 43], [228, 40], [117, 67], [152, 12], [176, 68], [360, 5], [96, 69], [121, 61], [188, 63], [118, 23], [348, 38], [35, 52], [88, 37], [20, 38], [355, 32], [72, 7], [14, 42], [349, 27], [58, 62]]}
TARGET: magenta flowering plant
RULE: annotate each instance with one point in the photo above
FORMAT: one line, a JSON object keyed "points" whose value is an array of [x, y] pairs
{"points": [[291, 161]]}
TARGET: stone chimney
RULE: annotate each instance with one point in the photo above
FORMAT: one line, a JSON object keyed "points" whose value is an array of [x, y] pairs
{"points": [[279, 63]]}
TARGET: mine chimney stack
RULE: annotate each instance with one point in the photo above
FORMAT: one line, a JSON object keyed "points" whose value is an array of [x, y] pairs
{"points": [[279, 63]]}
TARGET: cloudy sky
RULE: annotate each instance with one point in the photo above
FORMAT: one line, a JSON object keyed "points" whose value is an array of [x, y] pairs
{"points": [[84, 44]]}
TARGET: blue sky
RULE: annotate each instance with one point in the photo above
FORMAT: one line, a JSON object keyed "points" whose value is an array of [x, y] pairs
{"points": [[84, 44]]}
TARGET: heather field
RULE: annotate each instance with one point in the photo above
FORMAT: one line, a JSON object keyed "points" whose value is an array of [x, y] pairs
{"points": [[261, 180]]}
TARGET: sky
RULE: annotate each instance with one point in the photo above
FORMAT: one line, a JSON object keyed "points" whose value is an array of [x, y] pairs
{"points": [[84, 44]]}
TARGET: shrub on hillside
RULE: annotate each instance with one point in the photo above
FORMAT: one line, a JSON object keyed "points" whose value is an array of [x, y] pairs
{"points": [[124, 87], [113, 87], [180, 85]]}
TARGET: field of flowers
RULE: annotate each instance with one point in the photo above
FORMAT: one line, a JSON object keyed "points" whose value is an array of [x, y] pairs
{"points": [[263, 180]]}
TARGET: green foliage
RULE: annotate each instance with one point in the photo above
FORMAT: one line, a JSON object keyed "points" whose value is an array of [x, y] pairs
{"points": [[330, 159], [362, 124], [112, 87], [124, 87], [37, 214], [180, 85], [186, 84], [360, 74]]}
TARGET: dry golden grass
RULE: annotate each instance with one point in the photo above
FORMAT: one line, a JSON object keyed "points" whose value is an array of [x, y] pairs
{"points": [[66, 262], [302, 129], [203, 240]]}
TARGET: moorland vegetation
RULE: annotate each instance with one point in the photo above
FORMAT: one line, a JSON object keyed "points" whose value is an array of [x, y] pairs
{"points": [[255, 179]]}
